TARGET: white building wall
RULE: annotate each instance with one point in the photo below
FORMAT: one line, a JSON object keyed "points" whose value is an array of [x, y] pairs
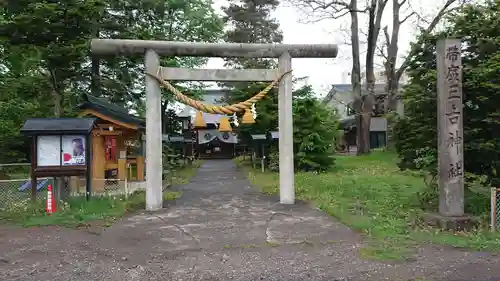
{"points": [[378, 124]]}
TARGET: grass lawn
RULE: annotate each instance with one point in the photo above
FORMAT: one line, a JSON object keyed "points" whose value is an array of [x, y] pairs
{"points": [[371, 195], [77, 212]]}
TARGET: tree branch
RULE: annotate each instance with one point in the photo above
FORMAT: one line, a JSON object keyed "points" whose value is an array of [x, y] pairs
{"points": [[428, 30], [331, 4], [387, 38], [407, 17], [381, 52], [328, 9]]}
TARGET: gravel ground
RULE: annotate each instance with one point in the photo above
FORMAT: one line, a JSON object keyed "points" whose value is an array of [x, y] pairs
{"points": [[221, 229]]}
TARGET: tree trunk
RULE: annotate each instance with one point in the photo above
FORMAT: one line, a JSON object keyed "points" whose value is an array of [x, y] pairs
{"points": [[356, 75], [376, 10], [95, 72], [55, 93], [393, 74], [392, 42], [391, 105], [392, 98]]}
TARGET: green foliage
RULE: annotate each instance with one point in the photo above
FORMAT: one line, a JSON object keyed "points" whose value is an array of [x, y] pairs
{"points": [[370, 194], [45, 60], [416, 131], [251, 22], [77, 211], [314, 133], [314, 125]]}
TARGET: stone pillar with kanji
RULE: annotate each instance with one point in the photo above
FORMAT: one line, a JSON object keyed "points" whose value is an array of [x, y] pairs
{"points": [[450, 128]]}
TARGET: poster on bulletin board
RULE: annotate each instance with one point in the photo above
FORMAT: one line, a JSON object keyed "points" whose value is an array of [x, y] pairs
{"points": [[49, 150], [73, 150], [61, 150]]}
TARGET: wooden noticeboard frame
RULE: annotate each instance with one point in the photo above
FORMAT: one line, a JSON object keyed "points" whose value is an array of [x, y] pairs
{"points": [[60, 170], [39, 127]]}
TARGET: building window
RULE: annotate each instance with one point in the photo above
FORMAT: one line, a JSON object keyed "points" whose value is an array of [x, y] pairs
{"points": [[377, 139], [185, 124], [350, 111]]}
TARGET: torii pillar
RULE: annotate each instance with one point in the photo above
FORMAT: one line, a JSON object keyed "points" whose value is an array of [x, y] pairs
{"points": [[152, 51]]}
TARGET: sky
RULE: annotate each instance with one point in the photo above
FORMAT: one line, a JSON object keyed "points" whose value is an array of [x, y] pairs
{"points": [[297, 28]]}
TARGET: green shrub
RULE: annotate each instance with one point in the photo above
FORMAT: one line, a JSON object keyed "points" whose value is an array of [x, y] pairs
{"points": [[415, 133]]}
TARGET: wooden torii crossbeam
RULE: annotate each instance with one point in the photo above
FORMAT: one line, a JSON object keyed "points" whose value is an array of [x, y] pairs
{"points": [[152, 51]]}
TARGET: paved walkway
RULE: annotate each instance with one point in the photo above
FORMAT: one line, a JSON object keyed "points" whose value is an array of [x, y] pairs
{"points": [[223, 229]]}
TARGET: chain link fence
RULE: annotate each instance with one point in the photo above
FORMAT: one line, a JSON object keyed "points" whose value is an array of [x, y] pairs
{"points": [[109, 187], [18, 191], [15, 191], [495, 209], [15, 183]]}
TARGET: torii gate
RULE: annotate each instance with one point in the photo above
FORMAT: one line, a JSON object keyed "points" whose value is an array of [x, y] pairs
{"points": [[152, 50]]}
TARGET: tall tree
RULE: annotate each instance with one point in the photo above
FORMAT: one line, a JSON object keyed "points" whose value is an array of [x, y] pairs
{"points": [[172, 20], [363, 103], [44, 44], [375, 12], [390, 50], [250, 21], [416, 131], [56, 34], [315, 131], [45, 62], [314, 125]]}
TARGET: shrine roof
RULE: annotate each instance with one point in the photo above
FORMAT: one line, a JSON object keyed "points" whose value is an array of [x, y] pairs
{"points": [[113, 111], [211, 96], [175, 139], [274, 135], [57, 126], [259, 137], [269, 136], [349, 122]]}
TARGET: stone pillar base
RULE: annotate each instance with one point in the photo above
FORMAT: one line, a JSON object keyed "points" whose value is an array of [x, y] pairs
{"points": [[462, 223]]}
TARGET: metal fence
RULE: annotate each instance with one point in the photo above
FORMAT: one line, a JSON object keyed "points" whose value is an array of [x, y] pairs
{"points": [[109, 187], [495, 209], [14, 191], [17, 191], [15, 183]]}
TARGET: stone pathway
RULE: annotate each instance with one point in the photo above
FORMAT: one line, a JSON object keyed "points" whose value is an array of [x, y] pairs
{"points": [[223, 229]]}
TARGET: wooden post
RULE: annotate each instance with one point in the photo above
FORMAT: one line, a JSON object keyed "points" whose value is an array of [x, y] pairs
{"points": [[140, 168], [98, 164], [493, 208], [34, 163], [89, 152], [73, 184], [450, 128], [122, 169]]}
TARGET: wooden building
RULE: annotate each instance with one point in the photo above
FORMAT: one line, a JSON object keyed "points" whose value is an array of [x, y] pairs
{"points": [[209, 142], [179, 145], [117, 142]]}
